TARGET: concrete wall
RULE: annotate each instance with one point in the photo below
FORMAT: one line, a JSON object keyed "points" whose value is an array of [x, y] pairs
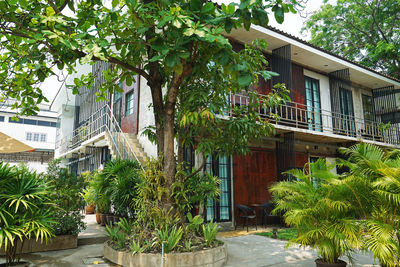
{"points": [[146, 118], [325, 95], [33, 165]]}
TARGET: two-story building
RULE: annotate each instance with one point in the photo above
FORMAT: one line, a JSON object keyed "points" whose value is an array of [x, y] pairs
{"points": [[334, 102]]}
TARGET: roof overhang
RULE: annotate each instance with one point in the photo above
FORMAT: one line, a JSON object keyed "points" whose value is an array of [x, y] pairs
{"points": [[314, 58]]}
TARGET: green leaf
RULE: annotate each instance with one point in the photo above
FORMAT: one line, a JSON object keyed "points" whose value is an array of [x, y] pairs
{"points": [[244, 80], [244, 4], [208, 8], [12, 2], [279, 15], [23, 3], [195, 5], [114, 3]]}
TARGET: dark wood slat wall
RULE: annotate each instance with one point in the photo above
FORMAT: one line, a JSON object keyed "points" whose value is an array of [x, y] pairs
{"points": [[129, 124], [298, 89], [301, 159], [338, 79], [253, 174]]}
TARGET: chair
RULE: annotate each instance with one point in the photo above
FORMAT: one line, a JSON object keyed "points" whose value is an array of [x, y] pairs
{"points": [[266, 213], [246, 213]]}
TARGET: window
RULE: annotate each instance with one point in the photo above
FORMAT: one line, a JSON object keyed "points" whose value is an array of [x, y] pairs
{"points": [[129, 103], [1, 118], [43, 137], [220, 209], [313, 104], [36, 137], [10, 119], [30, 122], [44, 123], [367, 107], [28, 136]]}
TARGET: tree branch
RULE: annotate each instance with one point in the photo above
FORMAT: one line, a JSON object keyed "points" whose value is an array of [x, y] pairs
{"points": [[199, 169]]}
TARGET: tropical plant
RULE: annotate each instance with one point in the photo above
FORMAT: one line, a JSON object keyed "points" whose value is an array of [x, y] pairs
{"points": [[169, 237], [316, 202], [67, 196], [194, 223], [89, 195], [136, 247], [26, 210], [126, 226], [116, 235], [376, 176], [210, 231], [122, 177]]}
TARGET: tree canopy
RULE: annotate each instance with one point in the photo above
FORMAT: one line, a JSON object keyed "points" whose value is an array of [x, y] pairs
{"points": [[365, 31], [177, 46]]}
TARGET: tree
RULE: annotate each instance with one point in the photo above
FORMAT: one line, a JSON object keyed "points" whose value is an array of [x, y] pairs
{"points": [[364, 31], [173, 44]]}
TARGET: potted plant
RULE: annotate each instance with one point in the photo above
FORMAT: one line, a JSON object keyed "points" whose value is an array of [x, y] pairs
{"points": [[316, 203], [89, 196]]}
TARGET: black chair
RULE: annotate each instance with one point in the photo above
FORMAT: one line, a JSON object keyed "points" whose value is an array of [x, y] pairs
{"points": [[245, 213], [267, 215]]}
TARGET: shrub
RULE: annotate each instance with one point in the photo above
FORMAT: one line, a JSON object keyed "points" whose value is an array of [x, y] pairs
{"points": [[170, 238], [26, 210], [210, 231], [66, 194]]}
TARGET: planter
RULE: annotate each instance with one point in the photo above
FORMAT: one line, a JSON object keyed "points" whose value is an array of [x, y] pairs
{"points": [[90, 209], [213, 257], [320, 263], [98, 219], [58, 243], [103, 219]]}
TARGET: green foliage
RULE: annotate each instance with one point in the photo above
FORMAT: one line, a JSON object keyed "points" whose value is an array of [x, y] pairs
{"points": [[126, 226], [194, 223], [67, 196], [186, 191], [323, 215], [136, 247], [169, 237], [284, 234], [116, 235], [89, 195], [26, 210], [376, 175], [210, 231], [120, 179], [365, 31]]}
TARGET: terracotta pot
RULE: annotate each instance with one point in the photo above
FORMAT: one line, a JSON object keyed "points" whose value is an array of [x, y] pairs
{"points": [[89, 209], [320, 263], [103, 219], [98, 219]]}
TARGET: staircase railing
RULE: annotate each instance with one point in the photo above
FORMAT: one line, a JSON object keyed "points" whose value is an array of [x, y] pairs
{"points": [[103, 120], [120, 143]]}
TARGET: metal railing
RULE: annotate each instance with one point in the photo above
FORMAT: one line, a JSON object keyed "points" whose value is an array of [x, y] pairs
{"points": [[101, 121], [301, 116]]}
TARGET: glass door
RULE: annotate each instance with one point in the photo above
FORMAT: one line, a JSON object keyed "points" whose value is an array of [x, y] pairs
{"points": [[313, 101], [220, 209], [347, 126]]}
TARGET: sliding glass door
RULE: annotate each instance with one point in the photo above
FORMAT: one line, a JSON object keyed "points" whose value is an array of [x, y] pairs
{"points": [[313, 101]]}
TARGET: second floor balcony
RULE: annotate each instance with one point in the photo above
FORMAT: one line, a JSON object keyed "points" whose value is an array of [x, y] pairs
{"points": [[315, 123]]}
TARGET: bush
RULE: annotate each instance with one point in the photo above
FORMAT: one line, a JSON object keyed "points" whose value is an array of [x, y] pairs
{"points": [[26, 210], [66, 194]]}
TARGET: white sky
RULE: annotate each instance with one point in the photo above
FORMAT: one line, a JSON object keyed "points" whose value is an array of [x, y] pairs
{"points": [[292, 24]]}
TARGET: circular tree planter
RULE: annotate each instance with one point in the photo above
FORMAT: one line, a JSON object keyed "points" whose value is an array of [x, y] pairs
{"points": [[213, 257], [320, 263]]}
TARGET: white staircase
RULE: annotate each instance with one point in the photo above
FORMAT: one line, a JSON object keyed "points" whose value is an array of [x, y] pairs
{"points": [[133, 149]]}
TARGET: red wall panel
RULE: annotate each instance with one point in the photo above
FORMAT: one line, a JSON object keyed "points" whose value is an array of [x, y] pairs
{"points": [[129, 124], [253, 174]]}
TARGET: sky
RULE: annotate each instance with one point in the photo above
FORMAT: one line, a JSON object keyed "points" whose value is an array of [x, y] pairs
{"points": [[292, 24]]}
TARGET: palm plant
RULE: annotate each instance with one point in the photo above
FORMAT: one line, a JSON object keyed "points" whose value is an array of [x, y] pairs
{"points": [[25, 209], [377, 175], [315, 203], [122, 177]]}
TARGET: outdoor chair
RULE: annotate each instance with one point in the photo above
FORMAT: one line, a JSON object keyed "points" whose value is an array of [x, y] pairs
{"points": [[245, 213], [267, 215]]}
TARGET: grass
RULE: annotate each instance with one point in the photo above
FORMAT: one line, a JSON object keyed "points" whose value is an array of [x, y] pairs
{"points": [[284, 234]]}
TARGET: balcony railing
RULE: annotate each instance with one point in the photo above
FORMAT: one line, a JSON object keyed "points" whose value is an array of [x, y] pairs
{"points": [[301, 116], [101, 121]]}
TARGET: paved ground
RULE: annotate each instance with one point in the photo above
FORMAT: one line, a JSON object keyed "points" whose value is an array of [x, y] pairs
{"points": [[257, 251], [243, 250]]}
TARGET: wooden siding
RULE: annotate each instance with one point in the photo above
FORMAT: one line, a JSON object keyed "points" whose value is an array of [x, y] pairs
{"points": [[253, 174], [298, 90], [129, 124], [301, 159]]}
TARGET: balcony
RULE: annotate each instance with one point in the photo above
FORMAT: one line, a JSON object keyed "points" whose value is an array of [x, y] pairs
{"points": [[321, 125]]}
